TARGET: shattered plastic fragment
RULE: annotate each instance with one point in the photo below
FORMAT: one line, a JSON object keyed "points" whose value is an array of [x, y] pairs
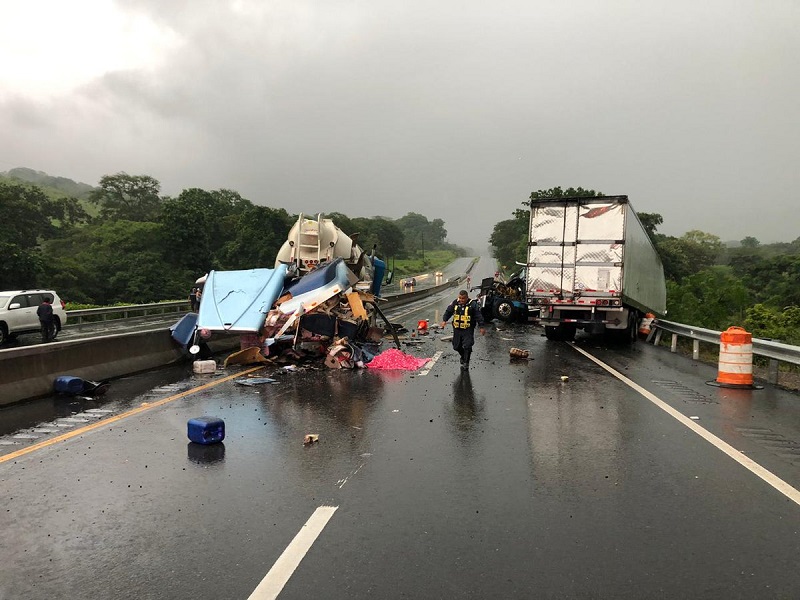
{"points": [[247, 356], [310, 438], [255, 381]]}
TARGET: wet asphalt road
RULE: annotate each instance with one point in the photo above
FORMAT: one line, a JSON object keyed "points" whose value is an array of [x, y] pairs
{"points": [[503, 482]]}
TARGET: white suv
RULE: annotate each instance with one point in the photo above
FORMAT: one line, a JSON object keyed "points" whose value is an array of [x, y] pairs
{"points": [[18, 312]]}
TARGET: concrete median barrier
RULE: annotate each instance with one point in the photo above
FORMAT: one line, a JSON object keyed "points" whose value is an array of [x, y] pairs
{"points": [[29, 372]]}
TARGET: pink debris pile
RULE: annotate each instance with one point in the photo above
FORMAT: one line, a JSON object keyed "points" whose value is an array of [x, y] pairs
{"points": [[395, 359]]}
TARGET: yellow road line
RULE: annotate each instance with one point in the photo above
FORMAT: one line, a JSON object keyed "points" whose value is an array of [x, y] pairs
{"points": [[135, 411]]}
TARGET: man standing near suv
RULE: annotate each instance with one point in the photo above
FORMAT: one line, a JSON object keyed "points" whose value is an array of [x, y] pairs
{"points": [[45, 314]]}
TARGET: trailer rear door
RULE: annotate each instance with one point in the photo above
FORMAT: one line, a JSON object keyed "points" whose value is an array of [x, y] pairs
{"points": [[576, 246], [600, 248], [551, 249]]}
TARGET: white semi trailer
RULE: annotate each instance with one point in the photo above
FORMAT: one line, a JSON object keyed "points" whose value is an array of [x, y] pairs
{"points": [[592, 266]]}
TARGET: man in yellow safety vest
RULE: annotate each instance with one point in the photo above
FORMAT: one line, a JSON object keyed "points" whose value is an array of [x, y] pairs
{"points": [[465, 315]]}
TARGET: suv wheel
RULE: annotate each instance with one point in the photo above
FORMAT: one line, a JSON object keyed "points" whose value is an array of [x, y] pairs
{"points": [[3, 333]]}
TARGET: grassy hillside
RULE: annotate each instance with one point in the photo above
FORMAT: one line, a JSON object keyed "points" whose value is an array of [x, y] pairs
{"points": [[52, 186], [61, 185]]}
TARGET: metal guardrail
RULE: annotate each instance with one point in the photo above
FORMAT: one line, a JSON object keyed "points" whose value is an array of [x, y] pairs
{"points": [[78, 317], [776, 352], [408, 297]]}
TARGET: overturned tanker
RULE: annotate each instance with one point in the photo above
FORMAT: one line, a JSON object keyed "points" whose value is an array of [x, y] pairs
{"points": [[312, 243]]}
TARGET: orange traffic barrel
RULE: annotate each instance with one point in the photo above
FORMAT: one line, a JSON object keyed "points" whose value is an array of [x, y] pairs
{"points": [[735, 358], [645, 325]]}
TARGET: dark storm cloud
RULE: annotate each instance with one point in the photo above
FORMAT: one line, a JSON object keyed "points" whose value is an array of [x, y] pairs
{"points": [[456, 110]]}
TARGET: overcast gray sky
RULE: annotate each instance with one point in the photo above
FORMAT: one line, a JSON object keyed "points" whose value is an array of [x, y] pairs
{"points": [[456, 110]]}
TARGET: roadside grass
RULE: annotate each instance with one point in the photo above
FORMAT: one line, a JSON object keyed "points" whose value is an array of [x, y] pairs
{"points": [[434, 260]]}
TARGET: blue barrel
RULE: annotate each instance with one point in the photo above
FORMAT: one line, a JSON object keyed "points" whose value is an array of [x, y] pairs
{"points": [[67, 384], [377, 280]]}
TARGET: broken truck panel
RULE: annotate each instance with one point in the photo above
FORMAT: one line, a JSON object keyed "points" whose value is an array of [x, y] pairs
{"points": [[238, 301], [316, 287], [248, 356], [183, 331], [356, 306]]}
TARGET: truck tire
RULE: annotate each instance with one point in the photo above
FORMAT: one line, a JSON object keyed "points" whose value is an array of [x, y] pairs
{"points": [[504, 310], [567, 332], [560, 333], [632, 330], [552, 333], [628, 335]]}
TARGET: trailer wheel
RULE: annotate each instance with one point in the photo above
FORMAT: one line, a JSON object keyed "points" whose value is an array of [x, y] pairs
{"points": [[552, 333], [633, 327], [567, 332], [561, 333], [628, 335]]}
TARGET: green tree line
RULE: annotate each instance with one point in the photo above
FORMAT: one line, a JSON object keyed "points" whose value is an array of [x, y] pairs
{"points": [[140, 246], [710, 285]]}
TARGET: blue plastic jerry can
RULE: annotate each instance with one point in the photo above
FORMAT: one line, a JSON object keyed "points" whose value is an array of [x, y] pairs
{"points": [[206, 430]]}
